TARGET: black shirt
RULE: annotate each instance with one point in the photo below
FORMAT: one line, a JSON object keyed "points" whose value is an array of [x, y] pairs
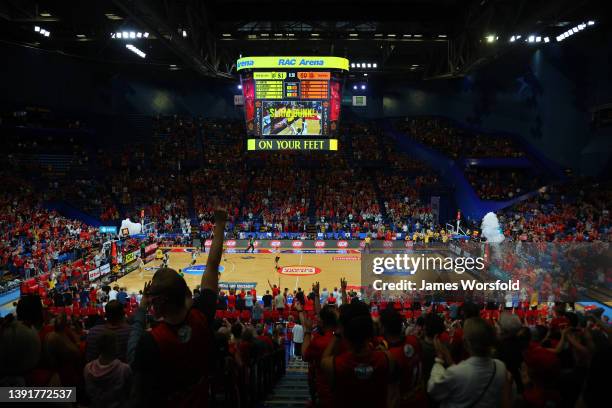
{"points": [[267, 300]]}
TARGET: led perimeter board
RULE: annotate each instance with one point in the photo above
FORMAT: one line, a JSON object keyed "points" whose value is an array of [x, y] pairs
{"points": [[292, 103]]}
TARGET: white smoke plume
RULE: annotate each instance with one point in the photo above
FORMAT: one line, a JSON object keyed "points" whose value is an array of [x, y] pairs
{"points": [[491, 230], [133, 228]]}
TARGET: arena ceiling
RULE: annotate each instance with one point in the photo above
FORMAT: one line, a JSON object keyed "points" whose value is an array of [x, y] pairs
{"points": [[415, 38]]}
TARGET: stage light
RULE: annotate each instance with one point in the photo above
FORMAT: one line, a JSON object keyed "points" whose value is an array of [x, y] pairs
{"points": [[374, 65], [184, 33], [145, 35], [135, 50], [591, 22], [132, 34], [37, 29], [378, 35], [581, 26], [490, 38], [314, 34], [418, 35], [369, 65], [47, 33], [354, 87], [278, 35], [81, 35], [363, 87], [575, 29], [391, 35], [352, 65], [239, 86], [366, 74], [406, 35], [546, 39], [290, 35], [353, 35], [45, 14], [358, 65], [538, 39], [531, 38], [512, 39], [415, 65], [518, 37], [264, 34], [559, 38], [441, 35], [125, 34], [139, 34]]}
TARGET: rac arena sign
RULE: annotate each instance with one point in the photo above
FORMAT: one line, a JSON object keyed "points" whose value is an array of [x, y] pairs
{"points": [[292, 62]]}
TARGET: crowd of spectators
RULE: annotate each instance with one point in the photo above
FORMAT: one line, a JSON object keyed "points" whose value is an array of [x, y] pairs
{"points": [[502, 184], [443, 135], [576, 212]]}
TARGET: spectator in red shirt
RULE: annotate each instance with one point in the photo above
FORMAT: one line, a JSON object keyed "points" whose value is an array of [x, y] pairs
{"points": [[172, 362]]}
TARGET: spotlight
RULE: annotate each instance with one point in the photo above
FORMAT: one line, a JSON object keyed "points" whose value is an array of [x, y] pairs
{"points": [[538, 39], [590, 22], [119, 35], [369, 65], [146, 35], [37, 29], [132, 34], [358, 65], [363, 87], [352, 65], [126, 34], [353, 35], [139, 34], [239, 86], [518, 37], [47, 33], [374, 65], [546, 39], [490, 38], [355, 87], [512, 39], [184, 33], [226, 35], [531, 38], [575, 29]]}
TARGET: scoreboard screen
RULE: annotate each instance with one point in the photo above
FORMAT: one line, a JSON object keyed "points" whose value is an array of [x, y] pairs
{"points": [[289, 99]]}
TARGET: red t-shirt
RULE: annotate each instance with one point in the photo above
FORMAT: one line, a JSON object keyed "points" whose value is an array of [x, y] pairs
{"points": [[313, 355], [361, 381]]}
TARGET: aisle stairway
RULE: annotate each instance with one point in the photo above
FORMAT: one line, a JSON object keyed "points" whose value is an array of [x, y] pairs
{"points": [[292, 390]]}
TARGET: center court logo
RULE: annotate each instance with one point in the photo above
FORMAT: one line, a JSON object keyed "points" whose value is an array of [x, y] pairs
{"points": [[299, 270]]}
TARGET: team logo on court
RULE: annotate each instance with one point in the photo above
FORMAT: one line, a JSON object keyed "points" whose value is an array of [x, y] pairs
{"points": [[199, 269], [299, 270]]}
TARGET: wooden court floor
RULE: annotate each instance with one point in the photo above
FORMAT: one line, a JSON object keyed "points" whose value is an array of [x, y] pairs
{"points": [[297, 270]]}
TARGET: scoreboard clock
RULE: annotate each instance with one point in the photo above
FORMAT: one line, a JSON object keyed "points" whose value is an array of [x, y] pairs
{"points": [[292, 103]]}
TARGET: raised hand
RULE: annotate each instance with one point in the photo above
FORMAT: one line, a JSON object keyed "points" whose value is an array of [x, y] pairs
{"points": [[315, 288], [146, 296], [343, 284]]}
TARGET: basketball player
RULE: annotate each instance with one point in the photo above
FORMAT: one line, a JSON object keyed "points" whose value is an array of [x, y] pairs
{"points": [[194, 257], [367, 244], [276, 259], [141, 267], [224, 251], [251, 245], [166, 259]]}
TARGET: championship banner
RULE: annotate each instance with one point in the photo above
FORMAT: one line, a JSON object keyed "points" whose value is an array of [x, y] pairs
{"points": [[293, 62], [292, 144]]}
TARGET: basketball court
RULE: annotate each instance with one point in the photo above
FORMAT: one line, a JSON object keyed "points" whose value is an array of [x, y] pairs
{"points": [[298, 268]]}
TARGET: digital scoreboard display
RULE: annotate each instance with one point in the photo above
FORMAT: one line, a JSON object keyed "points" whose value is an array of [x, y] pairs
{"points": [[292, 102]]}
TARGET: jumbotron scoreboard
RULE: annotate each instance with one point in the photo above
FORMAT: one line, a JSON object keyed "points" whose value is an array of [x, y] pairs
{"points": [[292, 103]]}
